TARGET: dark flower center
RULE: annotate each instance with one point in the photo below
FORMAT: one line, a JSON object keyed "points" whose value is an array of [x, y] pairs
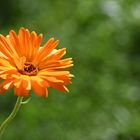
{"points": [[29, 69]]}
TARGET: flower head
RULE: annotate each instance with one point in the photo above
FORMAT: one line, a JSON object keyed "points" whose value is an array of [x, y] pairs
{"points": [[24, 64]]}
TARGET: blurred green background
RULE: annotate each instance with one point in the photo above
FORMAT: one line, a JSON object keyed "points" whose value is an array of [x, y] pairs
{"points": [[103, 37]]}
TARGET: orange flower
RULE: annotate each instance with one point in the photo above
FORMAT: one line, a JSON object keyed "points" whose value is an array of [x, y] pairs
{"points": [[25, 65]]}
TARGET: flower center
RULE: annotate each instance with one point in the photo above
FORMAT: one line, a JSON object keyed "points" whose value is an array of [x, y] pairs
{"points": [[29, 69]]}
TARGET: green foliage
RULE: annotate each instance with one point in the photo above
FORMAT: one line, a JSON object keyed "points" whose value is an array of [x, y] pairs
{"points": [[103, 37]]}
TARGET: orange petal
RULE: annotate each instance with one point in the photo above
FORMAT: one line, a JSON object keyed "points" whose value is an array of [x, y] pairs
{"points": [[53, 73], [46, 50], [59, 87], [12, 38], [6, 85], [52, 79], [40, 91], [21, 91]]}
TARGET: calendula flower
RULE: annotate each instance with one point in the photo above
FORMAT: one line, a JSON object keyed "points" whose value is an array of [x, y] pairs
{"points": [[24, 64]]}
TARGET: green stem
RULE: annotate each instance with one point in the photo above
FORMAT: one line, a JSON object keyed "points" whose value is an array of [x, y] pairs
{"points": [[11, 116]]}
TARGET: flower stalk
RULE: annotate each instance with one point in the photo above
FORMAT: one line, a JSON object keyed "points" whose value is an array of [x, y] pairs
{"points": [[11, 116]]}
